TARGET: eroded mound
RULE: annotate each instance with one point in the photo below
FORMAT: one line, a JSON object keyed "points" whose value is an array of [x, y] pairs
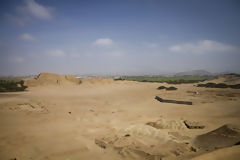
{"points": [[26, 106], [225, 136], [145, 142], [44, 79], [167, 124]]}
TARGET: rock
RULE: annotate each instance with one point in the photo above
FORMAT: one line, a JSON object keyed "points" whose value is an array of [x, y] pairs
{"points": [[171, 88], [193, 125], [172, 101], [101, 143], [127, 135], [161, 87]]}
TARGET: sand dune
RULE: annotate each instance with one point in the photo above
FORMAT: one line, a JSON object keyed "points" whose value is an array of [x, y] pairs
{"points": [[107, 119]]}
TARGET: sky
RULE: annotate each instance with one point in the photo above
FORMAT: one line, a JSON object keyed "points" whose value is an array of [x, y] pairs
{"points": [[119, 37]]}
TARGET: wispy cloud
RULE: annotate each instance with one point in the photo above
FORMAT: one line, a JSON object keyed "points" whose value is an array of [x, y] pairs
{"points": [[107, 48], [29, 10], [202, 47], [104, 42], [56, 53], [38, 10], [27, 37]]}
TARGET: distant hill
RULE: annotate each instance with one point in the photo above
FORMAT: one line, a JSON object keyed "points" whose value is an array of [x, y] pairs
{"points": [[194, 73]]}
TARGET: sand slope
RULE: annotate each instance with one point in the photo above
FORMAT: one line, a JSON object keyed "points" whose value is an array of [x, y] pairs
{"points": [[228, 79], [224, 136], [230, 153]]}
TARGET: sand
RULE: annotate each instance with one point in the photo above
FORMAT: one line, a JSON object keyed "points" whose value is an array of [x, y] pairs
{"points": [[51, 79], [105, 119]]}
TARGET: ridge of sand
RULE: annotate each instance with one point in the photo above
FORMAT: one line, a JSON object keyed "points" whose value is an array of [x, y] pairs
{"points": [[46, 79]]}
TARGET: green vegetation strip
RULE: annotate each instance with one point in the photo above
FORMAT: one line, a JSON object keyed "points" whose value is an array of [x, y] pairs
{"points": [[12, 86], [169, 80]]}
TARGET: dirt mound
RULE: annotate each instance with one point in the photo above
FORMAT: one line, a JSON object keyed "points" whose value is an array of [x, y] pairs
{"points": [[145, 142], [231, 78], [225, 136], [228, 79], [45, 79], [167, 124]]}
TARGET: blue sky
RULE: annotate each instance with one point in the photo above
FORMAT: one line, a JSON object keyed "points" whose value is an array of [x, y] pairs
{"points": [[118, 36]]}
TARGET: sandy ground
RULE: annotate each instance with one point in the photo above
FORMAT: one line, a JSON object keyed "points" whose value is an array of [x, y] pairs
{"points": [[106, 119]]}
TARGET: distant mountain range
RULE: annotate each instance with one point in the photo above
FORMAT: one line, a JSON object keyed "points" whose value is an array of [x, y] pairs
{"points": [[194, 73], [179, 74]]}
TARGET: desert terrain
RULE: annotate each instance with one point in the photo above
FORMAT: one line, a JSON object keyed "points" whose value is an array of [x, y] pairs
{"points": [[63, 118]]}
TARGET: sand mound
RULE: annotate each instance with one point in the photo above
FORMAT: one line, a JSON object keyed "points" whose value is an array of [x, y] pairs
{"points": [[167, 124], [144, 142], [225, 136], [228, 79], [45, 79], [231, 78]]}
